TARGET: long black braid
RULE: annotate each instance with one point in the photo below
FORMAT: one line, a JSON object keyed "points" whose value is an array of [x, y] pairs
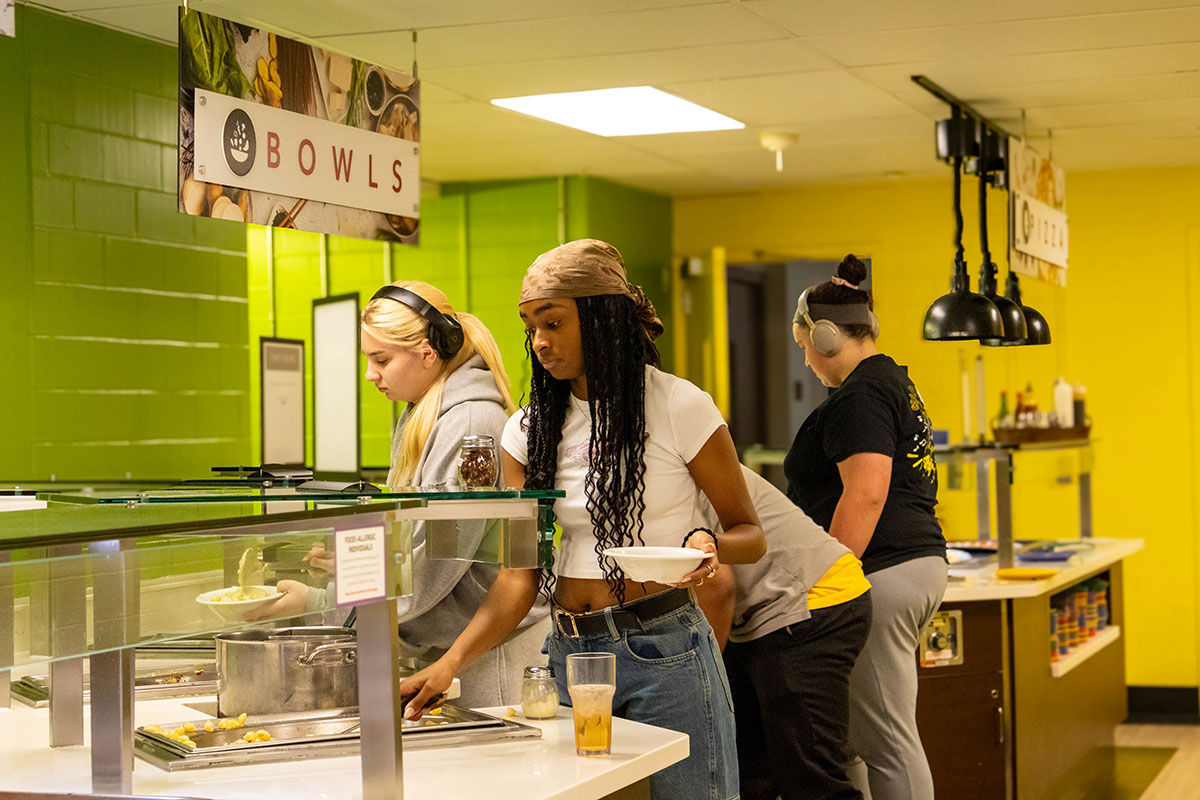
{"points": [[616, 350]]}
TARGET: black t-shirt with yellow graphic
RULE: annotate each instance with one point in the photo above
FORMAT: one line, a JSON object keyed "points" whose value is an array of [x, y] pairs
{"points": [[875, 410]]}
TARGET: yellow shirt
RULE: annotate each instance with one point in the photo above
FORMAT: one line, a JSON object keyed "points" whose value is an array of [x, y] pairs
{"points": [[841, 583]]}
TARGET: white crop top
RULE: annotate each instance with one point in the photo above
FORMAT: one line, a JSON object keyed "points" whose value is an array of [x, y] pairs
{"points": [[680, 418]]}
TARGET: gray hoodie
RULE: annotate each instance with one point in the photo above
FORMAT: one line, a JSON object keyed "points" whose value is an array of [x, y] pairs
{"points": [[447, 593]]}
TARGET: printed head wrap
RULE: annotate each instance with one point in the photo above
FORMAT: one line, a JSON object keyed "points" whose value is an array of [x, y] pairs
{"points": [[586, 268]]}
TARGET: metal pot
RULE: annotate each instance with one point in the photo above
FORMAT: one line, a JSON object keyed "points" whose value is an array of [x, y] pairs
{"points": [[273, 671]]}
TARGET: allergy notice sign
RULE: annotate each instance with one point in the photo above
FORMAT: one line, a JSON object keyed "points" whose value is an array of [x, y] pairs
{"points": [[361, 565]]}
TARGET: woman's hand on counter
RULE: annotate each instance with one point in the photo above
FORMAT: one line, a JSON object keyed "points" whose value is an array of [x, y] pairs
{"points": [[424, 686], [292, 600]]}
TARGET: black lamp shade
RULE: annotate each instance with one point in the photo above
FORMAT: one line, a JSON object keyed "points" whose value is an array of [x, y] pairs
{"points": [[962, 315], [1016, 330], [1039, 329]]}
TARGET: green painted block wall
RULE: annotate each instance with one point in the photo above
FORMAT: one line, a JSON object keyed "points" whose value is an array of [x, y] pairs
{"points": [[639, 224], [125, 324], [476, 241]]}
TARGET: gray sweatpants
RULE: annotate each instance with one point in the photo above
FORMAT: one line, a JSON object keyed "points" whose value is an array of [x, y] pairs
{"points": [[883, 684]]}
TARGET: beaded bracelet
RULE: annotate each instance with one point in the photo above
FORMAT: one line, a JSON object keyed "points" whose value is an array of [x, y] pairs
{"points": [[716, 545]]}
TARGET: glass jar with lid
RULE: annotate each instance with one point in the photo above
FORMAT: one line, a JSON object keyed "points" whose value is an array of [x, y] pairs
{"points": [[539, 693], [477, 464]]}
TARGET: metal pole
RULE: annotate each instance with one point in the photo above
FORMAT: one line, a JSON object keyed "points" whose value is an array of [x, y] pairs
{"points": [[112, 668], [39, 602], [68, 640], [380, 707], [983, 506], [1085, 505], [379, 702], [1004, 533], [7, 642]]}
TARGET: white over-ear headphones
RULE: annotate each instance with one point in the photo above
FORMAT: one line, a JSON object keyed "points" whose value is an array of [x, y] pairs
{"points": [[827, 337]]}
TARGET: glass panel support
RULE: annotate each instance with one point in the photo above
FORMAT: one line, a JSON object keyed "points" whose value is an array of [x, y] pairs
{"points": [[7, 628], [115, 589], [381, 712], [68, 635]]}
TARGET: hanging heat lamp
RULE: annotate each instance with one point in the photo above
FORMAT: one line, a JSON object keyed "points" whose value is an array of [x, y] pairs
{"points": [[1037, 330], [961, 314], [1011, 315]]}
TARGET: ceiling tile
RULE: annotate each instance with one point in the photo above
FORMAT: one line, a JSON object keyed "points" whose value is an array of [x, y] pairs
{"points": [[1136, 28], [653, 67], [770, 99], [1000, 100], [1144, 134], [594, 34], [850, 16], [1087, 115], [859, 133], [1118, 81], [478, 122], [1113, 155]]}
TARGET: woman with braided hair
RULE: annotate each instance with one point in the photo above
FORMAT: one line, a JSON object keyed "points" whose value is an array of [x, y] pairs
{"points": [[636, 450]]}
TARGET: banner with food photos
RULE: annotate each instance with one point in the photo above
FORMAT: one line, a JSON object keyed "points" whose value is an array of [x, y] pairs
{"points": [[281, 133], [8, 17], [1036, 184]]}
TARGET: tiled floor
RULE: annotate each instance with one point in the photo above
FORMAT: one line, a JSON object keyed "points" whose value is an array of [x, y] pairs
{"points": [[1179, 779]]}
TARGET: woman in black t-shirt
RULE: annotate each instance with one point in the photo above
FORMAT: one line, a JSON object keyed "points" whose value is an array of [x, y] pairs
{"points": [[862, 467]]}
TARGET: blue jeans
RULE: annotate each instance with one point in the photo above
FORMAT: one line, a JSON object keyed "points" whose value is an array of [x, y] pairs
{"points": [[670, 675]]}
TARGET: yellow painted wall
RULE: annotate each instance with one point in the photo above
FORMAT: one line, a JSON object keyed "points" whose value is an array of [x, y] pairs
{"points": [[1124, 326]]}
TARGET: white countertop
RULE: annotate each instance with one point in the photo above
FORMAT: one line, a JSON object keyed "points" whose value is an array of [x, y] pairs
{"points": [[982, 584], [520, 770]]}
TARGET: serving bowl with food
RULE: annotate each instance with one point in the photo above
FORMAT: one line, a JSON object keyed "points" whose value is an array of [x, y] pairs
{"points": [[232, 602]]}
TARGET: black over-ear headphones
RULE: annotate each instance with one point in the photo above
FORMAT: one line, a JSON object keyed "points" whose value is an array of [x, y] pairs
{"points": [[445, 334]]}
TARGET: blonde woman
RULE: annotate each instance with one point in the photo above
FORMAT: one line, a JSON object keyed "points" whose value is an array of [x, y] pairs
{"points": [[447, 368]]}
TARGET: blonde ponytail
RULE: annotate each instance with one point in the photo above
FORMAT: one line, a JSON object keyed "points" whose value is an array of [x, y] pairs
{"points": [[398, 325]]}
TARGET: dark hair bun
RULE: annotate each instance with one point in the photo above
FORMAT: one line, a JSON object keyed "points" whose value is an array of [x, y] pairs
{"points": [[852, 270]]}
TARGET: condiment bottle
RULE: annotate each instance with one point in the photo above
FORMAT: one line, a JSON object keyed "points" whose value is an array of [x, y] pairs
{"points": [[477, 467], [1079, 404], [539, 693], [1063, 407]]}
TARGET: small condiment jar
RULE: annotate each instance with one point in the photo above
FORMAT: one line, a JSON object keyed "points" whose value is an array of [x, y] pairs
{"points": [[539, 693], [477, 462]]}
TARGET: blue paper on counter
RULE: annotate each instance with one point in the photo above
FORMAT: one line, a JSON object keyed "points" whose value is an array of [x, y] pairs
{"points": [[1046, 555]]}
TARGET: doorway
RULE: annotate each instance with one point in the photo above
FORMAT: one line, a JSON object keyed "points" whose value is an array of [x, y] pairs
{"points": [[772, 392]]}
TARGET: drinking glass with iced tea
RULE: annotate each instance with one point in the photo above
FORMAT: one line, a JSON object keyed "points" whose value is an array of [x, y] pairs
{"points": [[591, 682]]}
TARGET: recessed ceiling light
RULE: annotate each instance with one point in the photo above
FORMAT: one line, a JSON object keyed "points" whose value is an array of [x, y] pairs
{"points": [[627, 111]]}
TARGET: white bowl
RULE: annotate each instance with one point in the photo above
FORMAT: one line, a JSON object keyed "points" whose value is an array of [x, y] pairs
{"points": [[658, 564], [233, 611]]}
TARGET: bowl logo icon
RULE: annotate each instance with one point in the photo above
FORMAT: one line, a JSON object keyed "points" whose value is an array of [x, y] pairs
{"points": [[239, 142]]}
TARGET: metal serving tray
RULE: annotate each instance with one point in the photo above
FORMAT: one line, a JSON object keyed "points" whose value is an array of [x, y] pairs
{"points": [[148, 684], [321, 733]]}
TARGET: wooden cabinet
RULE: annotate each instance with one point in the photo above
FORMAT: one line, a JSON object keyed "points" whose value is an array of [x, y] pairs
{"points": [[1000, 724], [964, 733], [964, 710]]}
